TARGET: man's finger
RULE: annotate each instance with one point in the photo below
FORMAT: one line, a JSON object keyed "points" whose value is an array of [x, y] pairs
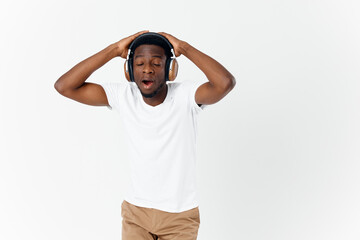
{"points": [[164, 34], [132, 37], [168, 36], [139, 33]]}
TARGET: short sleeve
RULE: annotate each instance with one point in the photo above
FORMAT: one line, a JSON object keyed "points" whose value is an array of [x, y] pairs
{"points": [[113, 92], [193, 86]]}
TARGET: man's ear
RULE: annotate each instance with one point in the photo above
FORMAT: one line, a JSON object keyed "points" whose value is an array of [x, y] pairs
{"points": [[126, 71], [173, 69]]}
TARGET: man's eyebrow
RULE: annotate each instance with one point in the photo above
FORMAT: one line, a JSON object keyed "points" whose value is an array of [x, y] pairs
{"points": [[157, 56]]}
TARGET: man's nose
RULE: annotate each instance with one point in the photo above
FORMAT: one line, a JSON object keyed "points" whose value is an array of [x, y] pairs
{"points": [[147, 68]]}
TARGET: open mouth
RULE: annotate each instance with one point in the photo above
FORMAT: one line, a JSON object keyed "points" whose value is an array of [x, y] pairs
{"points": [[147, 83]]}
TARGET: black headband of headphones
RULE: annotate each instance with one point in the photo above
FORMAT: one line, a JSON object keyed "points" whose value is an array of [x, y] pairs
{"points": [[151, 38]]}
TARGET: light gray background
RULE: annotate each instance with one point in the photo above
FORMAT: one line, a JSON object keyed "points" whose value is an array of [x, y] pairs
{"points": [[278, 157]]}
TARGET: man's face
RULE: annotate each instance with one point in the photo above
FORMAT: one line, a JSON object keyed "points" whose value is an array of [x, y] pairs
{"points": [[149, 69]]}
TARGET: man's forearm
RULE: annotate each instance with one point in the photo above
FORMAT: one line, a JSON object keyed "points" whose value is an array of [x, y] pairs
{"points": [[214, 71], [77, 75]]}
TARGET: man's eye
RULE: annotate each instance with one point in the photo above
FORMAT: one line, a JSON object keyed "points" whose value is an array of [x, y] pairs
{"points": [[139, 64], [156, 64]]}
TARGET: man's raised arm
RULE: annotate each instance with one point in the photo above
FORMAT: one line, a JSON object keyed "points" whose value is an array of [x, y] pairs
{"points": [[221, 81], [72, 83]]}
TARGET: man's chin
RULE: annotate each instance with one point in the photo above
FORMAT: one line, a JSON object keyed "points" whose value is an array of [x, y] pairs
{"points": [[148, 95], [152, 94]]}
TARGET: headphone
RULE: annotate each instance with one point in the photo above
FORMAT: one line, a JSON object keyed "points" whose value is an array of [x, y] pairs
{"points": [[171, 66]]}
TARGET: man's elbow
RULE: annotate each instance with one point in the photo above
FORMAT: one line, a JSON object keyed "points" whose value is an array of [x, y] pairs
{"points": [[231, 82], [226, 84], [59, 86]]}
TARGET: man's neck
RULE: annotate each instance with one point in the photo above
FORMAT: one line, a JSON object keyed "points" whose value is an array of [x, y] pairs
{"points": [[158, 98]]}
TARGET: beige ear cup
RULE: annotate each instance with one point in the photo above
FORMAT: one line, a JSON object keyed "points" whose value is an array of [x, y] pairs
{"points": [[126, 71], [173, 69]]}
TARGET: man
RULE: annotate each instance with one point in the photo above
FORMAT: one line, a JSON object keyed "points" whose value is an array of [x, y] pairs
{"points": [[160, 117]]}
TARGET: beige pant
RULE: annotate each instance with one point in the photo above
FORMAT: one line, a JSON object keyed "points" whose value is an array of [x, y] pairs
{"points": [[140, 223]]}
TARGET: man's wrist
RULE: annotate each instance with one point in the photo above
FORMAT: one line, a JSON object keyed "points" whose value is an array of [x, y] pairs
{"points": [[114, 50], [184, 47]]}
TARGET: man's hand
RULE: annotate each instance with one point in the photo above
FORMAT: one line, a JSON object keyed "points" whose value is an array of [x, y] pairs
{"points": [[123, 44], [221, 82], [177, 43]]}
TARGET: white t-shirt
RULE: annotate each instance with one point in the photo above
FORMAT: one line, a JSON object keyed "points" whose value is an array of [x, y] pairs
{"points": [[161, 144]]}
